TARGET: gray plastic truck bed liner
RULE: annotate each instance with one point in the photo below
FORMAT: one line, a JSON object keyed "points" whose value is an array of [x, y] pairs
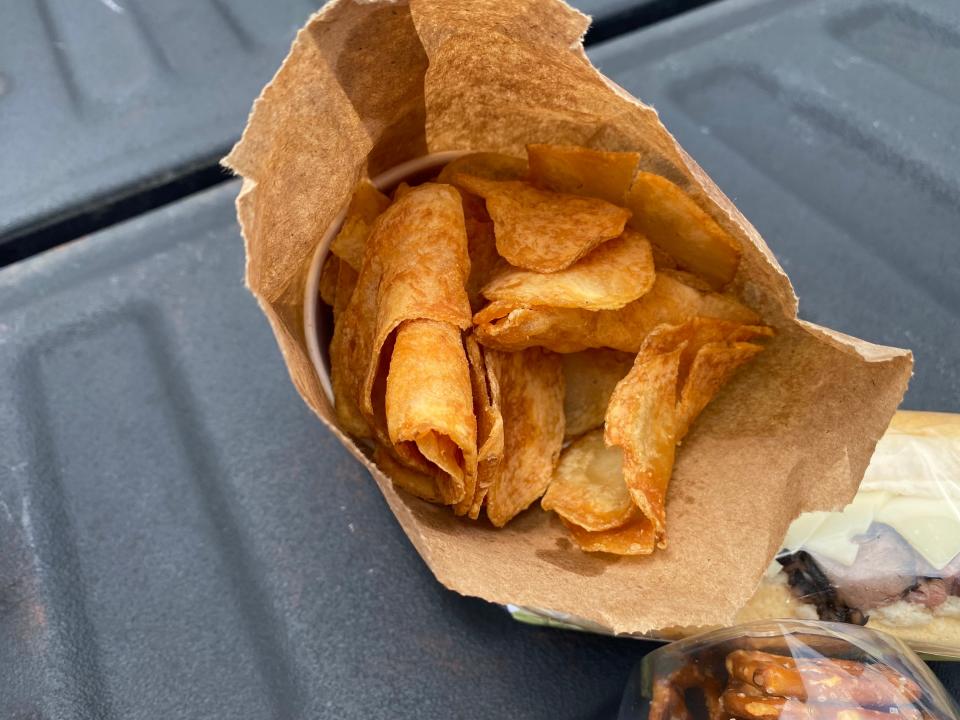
{"points": [[102, 99], [99, 99], [182, 539]]}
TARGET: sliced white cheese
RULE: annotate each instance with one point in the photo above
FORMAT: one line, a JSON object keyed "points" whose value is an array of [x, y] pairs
{"points": [[834, 537], [802, 529], [931, 526]]}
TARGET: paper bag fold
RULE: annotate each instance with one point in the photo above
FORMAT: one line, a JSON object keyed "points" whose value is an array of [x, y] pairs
{"points": [[369, 85]]}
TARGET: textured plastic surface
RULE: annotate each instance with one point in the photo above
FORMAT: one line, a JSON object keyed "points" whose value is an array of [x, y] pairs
{"points": [[99, 99], [182, 539], [833, 126]]}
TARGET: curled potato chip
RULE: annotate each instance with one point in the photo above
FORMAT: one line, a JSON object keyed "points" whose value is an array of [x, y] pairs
{"points": [[588, 488], [609, 277], [366, 204], [486, 403], [590, 377], [540, 230], [582, 171], [641, 419], [635, 537], [509, 327], [531, 403], [328, 279], [672, 219], [421, 485], [420, 244], [429, 403]]}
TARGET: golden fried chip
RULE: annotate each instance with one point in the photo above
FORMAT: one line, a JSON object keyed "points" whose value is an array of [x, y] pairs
{"points": [[486, 404], [641, 419], [328, 279], [421, 246], [687, 278], [609, 277], [429, 403], [355, 314], [346, 282], [712, 368], [487, 165], [590, 377], [509, 327], [484, 259], [697, 333], [671, 219], [540, 230], [582, 171], [531, 402], [662, 259], [635, 537], [400, 190], [588, 488], [419, 484], [365, 205]]}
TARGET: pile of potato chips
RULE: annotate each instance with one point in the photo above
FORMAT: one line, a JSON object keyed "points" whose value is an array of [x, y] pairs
{"points": [[551, 327]]}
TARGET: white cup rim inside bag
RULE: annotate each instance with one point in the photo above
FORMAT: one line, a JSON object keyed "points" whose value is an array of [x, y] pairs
{"points": [[317, 331]]}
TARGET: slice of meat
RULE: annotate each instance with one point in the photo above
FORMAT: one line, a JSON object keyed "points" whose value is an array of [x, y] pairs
{"points": [[885, 569], [929, 592]]}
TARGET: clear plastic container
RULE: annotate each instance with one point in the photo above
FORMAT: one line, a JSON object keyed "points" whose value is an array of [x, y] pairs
{"points": [[786, 670]]}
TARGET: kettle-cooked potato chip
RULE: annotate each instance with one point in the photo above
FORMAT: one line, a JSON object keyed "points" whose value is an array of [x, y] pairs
{"points": [[671, 219], [648, 416], [400, 190], [484, 259], [635, 537], [421, 245], [509, 327], [346, 282], [352, 344], [590, 377], [712, 368], [540, 230], [429, 403], [487, 165], [328, 279], [698, 333], [416, 483], [582, 171], [662, 259], [365, 205], [486, 402], [531, 403], [588, 487], [609, 277], [687, 278], [641, 419]]}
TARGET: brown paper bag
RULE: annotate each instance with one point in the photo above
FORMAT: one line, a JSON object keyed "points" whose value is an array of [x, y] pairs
{"points": [[369, 85]]}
